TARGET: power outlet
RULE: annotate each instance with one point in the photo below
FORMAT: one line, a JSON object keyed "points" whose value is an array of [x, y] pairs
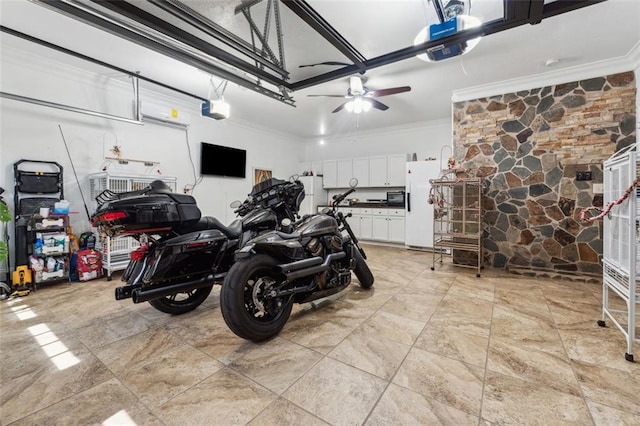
{"points": [[598, 188], [583, 175]]}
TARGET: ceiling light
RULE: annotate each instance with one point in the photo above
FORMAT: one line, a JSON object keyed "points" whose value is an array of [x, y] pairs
{"points": [[551, 62], [358, 105], [321, 141]]}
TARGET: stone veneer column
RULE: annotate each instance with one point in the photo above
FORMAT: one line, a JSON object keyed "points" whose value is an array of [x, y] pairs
{"points": [[529, 146]]}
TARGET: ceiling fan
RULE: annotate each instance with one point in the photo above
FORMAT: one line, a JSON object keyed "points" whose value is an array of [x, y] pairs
{"points": [[361, 98]]}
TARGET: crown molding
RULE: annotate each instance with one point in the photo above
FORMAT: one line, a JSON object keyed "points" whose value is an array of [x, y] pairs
{"points": [[628, 62]]}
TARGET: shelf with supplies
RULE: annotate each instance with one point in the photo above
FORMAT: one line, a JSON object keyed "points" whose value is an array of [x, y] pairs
{"points": [[48, 245], [457, 221]]}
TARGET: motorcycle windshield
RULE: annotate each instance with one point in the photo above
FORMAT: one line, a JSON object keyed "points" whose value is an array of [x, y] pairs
{"points": [[266, 184]]}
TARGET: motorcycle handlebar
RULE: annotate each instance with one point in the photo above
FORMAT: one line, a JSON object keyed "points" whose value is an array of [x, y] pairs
{"points": [[337, 199]]}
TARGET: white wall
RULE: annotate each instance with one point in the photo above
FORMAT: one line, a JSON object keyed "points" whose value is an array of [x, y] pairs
{"points": [[31, 132]]}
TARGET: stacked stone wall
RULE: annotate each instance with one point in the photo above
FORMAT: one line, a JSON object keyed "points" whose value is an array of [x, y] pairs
{"points": [[529, 146]]}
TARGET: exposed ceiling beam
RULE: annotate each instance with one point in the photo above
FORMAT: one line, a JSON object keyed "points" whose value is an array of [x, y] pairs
{"points": [[147, 19], [322, 27], [193, 18], [199, 62]]}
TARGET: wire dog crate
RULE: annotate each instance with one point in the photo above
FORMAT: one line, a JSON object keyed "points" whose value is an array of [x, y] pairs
{"points": [[116, 251], [621, 254]]}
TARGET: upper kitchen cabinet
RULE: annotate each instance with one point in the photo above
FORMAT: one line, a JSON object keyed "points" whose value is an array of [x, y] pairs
{"points": [[345, 172], [386, 171], [330, 174], [361, 171]]}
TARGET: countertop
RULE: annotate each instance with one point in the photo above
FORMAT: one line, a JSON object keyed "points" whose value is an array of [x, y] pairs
{"points": [[368, 205]]}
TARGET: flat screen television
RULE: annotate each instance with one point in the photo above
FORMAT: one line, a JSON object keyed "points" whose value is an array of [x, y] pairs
{"points": [[216, 160]]}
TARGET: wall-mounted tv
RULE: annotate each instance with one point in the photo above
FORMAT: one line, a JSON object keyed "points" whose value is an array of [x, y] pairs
{"points": [[216, 160]]}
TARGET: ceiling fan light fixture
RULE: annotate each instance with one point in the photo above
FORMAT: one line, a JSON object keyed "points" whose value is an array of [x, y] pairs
{"points": [[358, 105]]}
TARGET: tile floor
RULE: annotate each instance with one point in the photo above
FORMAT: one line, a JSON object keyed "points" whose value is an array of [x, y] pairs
{"points": [[423, 347]]}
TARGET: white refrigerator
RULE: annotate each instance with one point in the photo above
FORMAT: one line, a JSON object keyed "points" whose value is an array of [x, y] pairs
{"points": [[314, 195], [418, 211]]}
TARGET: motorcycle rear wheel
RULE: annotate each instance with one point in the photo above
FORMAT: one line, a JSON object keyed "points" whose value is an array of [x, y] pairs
{"points": [[245, 311], [363, 273], [181, 303]]}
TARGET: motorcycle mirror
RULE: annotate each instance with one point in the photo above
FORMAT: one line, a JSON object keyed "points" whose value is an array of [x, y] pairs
{"points": [[294, 177], [286, 222], [235, 204], [353, 182]]}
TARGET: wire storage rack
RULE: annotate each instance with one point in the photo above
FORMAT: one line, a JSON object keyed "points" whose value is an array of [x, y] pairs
{"points": [[621, 252], [116, 251], [457, 217]]}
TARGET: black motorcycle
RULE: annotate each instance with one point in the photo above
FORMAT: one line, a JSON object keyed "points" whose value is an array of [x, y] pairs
{"points": [[182, 255], [276, 269]]}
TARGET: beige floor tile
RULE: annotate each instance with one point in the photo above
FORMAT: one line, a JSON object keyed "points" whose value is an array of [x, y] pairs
{"points": [[418, 307], [108, 403], [533, 330], [371, 353], [103, 331], [352, 393], [604, 415], [276, 364], [444, 379], [137, 350], [66, 373], [508, 400], [283, 412], [169, 374], [225, 398], [449, 340], [393, 327], [207, 331], [601, 346], [609, 386], [546, 355], [539, 367], [402, 406]]}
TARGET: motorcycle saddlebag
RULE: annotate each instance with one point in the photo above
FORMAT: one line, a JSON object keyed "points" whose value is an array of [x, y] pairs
{"points": [[191, 255], [148, 211]]}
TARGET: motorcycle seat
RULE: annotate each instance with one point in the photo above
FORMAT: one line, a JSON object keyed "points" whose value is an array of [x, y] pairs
{"points": [[207, 222]]}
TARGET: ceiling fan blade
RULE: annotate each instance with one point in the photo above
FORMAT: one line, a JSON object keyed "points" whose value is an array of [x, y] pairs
{"points": [[340, 108], [377, 104], [328, 96], [330, 63], [355, 83], [387, 92]]}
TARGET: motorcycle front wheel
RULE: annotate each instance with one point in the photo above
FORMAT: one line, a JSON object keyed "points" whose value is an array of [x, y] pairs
{"points": [[181, 303], [363, 273], [244, 308]]}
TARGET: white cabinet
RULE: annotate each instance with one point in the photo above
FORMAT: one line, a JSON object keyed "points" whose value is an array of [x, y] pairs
{"points": [[330, 174], [361, 171], [388, 225], [396, 169], [344, 173], [378, 171], [372, 172], [387, 170], [366, 227]]}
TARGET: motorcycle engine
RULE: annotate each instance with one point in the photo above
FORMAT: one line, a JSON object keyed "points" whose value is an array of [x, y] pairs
{"points": [[314, 247]]}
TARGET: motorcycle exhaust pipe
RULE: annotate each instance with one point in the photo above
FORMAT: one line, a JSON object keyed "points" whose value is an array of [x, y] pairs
{"points": [[140, 295], [300, 264], [315, 269], [125, 292]]}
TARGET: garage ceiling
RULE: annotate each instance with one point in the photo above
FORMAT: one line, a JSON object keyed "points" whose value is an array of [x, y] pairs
{"points": [[183, 43]]}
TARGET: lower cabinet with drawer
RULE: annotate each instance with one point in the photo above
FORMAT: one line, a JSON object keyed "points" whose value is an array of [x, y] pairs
{"points": [[376, 224]]}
